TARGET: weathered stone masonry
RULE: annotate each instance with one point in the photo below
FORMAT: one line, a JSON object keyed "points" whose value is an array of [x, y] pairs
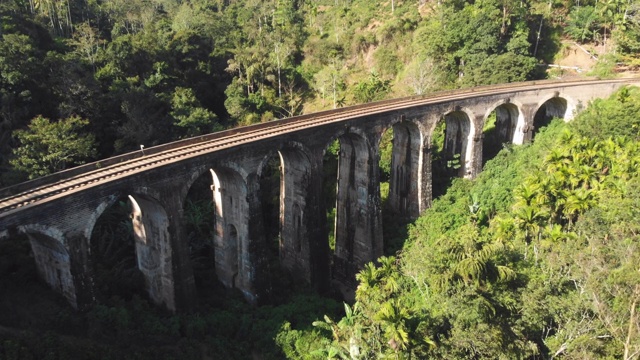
{"points": [[60, 230]]}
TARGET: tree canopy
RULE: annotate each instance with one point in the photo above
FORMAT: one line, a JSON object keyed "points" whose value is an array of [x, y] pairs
{"points": [[46, 147], [152, 72]]}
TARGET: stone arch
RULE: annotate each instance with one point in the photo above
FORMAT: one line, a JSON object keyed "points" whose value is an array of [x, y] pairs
{"points": [[231, 227], [53, 261], [558, 106], [152, 242], [194, 176], [405, 194], [90, 223], [197, 228], [554, 106], [461, 122], [452, 149], [153, 248], [112, 250], [505, 127], [295, 179], [510, 110]]}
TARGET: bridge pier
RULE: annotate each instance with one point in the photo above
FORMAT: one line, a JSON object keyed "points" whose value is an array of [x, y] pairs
{"points": [[358, 231], [153, 249], [62, 263], [184, 288], [294, 218]]}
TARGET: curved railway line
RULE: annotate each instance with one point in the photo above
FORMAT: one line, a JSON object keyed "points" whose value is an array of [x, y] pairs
{"points": [[87, 176]]}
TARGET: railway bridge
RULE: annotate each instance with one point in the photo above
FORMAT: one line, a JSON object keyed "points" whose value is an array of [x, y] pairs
{"points": [[58, 213]]}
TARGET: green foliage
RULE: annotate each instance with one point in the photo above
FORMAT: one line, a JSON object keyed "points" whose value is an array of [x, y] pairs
{"points": [[47, 147], [605, 67], [138, 70], [386, 151], [534, 258], [605, 118], [371, 89], [189, 115], [479, 43], [582, 23], [628, 38]]}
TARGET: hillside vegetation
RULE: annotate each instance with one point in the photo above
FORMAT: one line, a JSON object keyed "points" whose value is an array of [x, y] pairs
{"points": [[104, 77], [536, 258]]}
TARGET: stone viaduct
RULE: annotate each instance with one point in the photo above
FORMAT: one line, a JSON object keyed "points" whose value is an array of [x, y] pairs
{"points": [[58, 213]]}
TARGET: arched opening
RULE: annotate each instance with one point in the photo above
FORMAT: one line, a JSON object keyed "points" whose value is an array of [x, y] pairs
{"points": [[17, 266], [385, 150], [399, 151], [199, 226], [449, 146], [329, 189], [499, 129], [270, 199], [403, 169], [113, 254], [284, 185], [555, 107]]}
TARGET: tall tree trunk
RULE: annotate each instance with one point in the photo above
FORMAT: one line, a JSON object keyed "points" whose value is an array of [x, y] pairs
{"points": [[632, 322]]}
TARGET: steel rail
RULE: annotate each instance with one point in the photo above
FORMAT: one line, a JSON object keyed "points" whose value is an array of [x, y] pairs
{"points": [[189, 148]]}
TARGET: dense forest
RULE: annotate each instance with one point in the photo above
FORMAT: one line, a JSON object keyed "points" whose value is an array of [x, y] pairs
{"points": [[537, 258], [82, 80]]}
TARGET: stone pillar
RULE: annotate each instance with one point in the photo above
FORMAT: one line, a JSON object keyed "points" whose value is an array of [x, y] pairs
{"points": [[425, 176], [405, 166], [473, 149], [184, 282], [231, 239], [153, 250], [54, 264], [294, 190], [528, 113], [81, 271], [358, 216]]}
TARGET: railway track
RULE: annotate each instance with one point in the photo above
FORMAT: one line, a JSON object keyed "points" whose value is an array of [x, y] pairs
{"points": [[133, 163]]}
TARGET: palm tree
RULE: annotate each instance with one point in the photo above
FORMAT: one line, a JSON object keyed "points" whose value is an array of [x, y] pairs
{"points": [[347, 333], [368, 278], [529, 220], [528, 194], [393, 317], [577, 202]]}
